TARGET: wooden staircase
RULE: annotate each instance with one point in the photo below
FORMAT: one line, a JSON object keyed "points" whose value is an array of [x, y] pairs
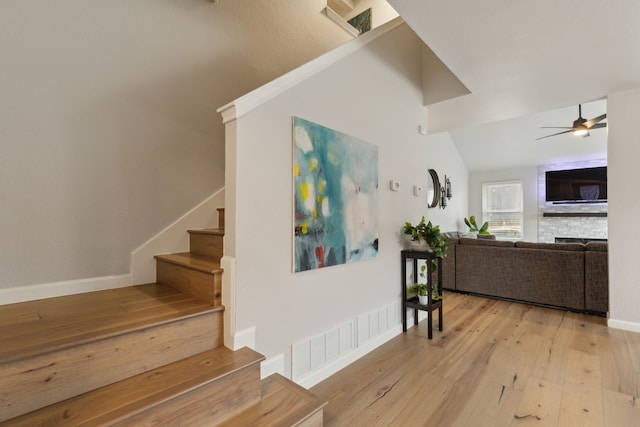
{"points": [[149, 354]]}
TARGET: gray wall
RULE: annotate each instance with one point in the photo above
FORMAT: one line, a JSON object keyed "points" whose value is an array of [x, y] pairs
{"points": [[108, 123]]}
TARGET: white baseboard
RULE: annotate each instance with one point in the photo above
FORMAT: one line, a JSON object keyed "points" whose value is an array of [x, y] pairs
{"points": [[332, 367], [58, 289], [244, 338], [273, 365], [623, 324]]}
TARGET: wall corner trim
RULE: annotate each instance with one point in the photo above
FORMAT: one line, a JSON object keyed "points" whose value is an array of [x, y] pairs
{"points": [[245, 338], [272, 365], [259, 96], [340, 21]]}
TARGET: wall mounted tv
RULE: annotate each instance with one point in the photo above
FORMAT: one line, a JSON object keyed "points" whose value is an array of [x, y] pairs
{"points": [[586, 185]]}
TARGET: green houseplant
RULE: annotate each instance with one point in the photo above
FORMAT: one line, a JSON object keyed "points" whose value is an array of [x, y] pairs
{"points": [[421, 289], [473, 226], [437, 244], [430, 234]]}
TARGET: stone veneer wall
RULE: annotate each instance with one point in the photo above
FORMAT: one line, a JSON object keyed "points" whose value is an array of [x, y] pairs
{"points": [[583, 226]]}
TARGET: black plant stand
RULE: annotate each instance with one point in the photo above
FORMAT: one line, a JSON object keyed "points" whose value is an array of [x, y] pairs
{"points": [[413, 302]]}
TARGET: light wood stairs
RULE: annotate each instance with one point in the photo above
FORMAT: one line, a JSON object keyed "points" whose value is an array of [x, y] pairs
{"points": [[147, 355]]}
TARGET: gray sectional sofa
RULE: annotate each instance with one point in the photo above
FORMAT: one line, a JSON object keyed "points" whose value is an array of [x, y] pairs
{"points": [[571, 276]]}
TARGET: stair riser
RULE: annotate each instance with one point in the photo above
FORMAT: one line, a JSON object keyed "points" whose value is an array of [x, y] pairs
{"points": [[203, 286], [221, 218], [32, 383], [206, 245], [206, 405]]}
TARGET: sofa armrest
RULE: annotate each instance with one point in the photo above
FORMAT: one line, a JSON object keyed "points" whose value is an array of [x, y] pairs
{"points": [[596, 278]]}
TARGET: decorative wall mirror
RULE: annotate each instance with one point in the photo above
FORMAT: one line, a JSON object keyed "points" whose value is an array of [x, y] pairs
{"points": [[433, 189]]}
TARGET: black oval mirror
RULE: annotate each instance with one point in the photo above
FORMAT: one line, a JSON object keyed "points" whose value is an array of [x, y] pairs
{"points": [[433, 189]]}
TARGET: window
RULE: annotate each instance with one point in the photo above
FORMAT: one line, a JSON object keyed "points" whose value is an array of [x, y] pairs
{"points": [[502, 208]]}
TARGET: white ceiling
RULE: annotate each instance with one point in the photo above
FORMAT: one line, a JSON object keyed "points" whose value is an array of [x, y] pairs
{"points": [[521, 58]]}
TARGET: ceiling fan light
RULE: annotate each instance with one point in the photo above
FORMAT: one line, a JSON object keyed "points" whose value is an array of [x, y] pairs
{"points": [[580, 130]]}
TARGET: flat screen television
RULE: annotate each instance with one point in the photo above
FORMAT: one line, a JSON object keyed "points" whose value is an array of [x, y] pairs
{"points": [[586, 185]]}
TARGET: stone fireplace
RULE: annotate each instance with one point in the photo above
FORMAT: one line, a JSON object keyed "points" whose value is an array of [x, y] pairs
{"points": [[570, 221]]}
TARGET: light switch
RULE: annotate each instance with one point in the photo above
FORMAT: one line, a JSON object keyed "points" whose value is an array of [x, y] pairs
{"points": [[394, 185], [417, 190]]}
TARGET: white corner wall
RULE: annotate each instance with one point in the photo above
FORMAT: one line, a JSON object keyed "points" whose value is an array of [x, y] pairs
{"points": [[624, 210], [373, 94]]}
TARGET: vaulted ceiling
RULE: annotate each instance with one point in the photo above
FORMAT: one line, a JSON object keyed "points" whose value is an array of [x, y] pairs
{"points": [[527, 64], [528, 56]]}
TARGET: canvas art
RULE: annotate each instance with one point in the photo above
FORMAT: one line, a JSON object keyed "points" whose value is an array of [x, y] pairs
{"points": [[335, 197]]}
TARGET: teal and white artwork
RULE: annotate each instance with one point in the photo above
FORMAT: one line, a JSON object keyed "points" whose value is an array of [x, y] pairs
{"points": [[335, 197]]}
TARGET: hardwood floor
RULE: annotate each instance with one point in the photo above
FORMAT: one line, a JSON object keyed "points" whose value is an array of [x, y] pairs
{"points": [[495, 364]]}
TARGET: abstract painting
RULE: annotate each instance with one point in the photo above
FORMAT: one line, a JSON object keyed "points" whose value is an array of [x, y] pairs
{"points": [[335, 197]]}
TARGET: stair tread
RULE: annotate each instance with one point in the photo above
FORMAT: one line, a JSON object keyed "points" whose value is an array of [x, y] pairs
{"points": [[283, 403], [201, 263], [135, 394], [212, 231], [51, 324]]}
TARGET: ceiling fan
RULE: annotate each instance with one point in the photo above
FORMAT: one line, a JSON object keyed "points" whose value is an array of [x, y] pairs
{"points": [[581, 126]]}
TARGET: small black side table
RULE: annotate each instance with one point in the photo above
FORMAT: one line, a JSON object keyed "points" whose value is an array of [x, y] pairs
{"points": [[415, 256]]}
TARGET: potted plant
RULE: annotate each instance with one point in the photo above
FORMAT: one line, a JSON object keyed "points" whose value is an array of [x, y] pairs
{"points": [[473, 226], [429, 234], [421, 290], [417, 234]]}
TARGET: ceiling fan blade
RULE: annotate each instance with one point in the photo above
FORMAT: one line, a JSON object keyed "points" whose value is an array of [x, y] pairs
{"points": [[559, 133], [598, 126], [590, 123], [556, 127]]}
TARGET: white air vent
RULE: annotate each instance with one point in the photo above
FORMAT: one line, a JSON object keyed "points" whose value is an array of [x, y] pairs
{"points": [[313, 353]]}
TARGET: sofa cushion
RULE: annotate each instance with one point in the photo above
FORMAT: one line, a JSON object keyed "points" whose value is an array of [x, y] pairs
{"points": [[486, 242], [577, 247], [597, 246]]}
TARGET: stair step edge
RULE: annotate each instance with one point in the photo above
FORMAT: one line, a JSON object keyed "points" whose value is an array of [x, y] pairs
{"points": [[276, 389], [93, 335], [107, 334], [204, 264], [211, 231], [145, 392]]}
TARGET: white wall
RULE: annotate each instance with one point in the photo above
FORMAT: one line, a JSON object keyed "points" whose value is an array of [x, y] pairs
{"points": [[624, 209], [444, 158], [375, 95], [529, 178]]}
